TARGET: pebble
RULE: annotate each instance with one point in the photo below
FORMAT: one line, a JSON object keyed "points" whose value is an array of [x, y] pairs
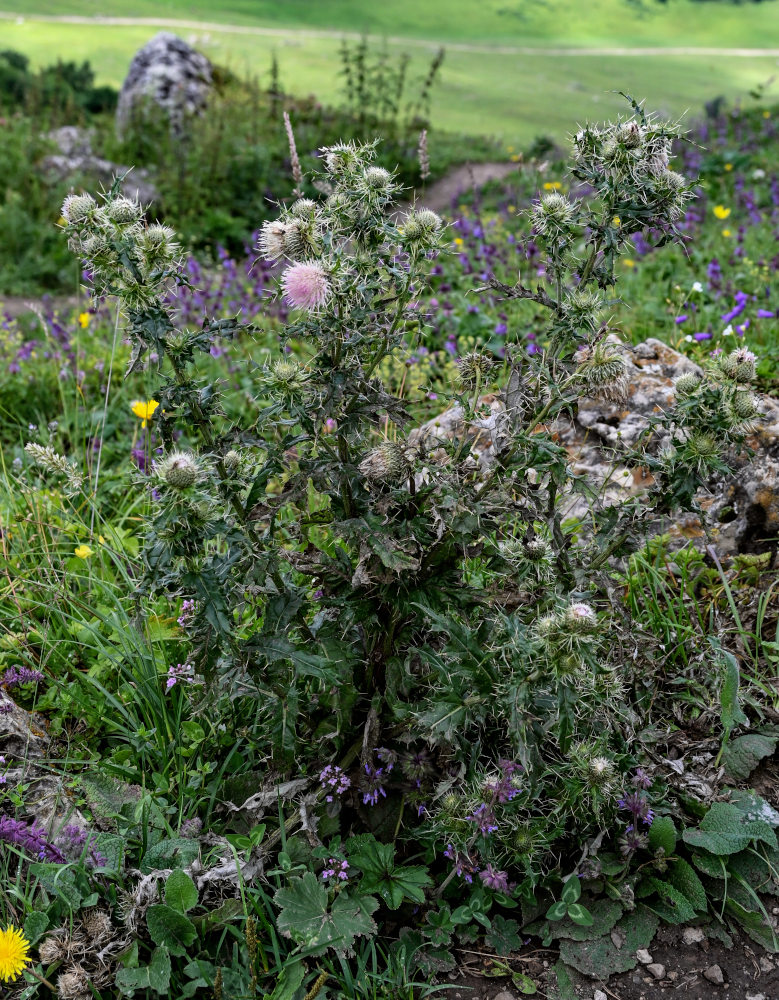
{"points": [[766, 965], [644, 957], [756, 996], [693, 935], [714, 975], [504, 995], [656, 969], [599, 995]]}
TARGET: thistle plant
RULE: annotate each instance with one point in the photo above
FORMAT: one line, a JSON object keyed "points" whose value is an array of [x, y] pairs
{"points": [[363, 588]]}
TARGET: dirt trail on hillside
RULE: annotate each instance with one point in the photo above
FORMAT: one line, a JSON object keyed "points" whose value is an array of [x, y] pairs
{"points": [[425, 43]]}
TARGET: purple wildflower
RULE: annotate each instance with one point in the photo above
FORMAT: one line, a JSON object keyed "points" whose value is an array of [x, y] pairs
{"points": [[187, 613], [18, 674], [190, 828], [464, 866], [495, 879], [641, 779], [638, 805], [484, 818], [30, 838], [76, 843], [334, 781], [336, 870], [183, 672]]}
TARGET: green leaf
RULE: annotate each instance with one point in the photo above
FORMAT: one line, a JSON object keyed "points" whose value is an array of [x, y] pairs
{"points": [[180, 891], [580, 915], [170, 928], [710, 864], [682, 876], [173, 852], [663, 835], [557, 910], [755, 924], [726, 830], [743, 755], [673, 907], [601, 958], [35, 925], [503, 936], [155, 975], [58, 881], [605, 913], [572, 890], [288, 983], [731, 713], [394, 884], [524, 984], [307, 918]]}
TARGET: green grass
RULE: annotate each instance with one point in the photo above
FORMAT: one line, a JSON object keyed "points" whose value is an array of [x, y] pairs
{"points": [[514, 97]]}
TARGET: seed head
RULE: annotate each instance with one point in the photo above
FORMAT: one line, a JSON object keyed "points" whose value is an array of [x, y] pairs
{"points": [[51, 949], [475, 368], [600, 771], [271, 242], [386, 464], [78, 208], [73, 984], [180, 470], [97, 925]]}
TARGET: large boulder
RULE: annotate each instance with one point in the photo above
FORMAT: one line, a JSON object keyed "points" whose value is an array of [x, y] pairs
{"points": [[169, 73], [741, 512]]}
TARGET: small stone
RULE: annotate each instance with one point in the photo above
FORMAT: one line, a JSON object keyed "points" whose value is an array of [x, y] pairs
{"points": [[693, 935], [599, 995], [766, 965], [656, 969], [756, 996], [504, 995], [644, 957], [714, 975], [617, 938]]}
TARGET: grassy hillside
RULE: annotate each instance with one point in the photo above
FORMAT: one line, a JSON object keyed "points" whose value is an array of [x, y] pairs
{"points": [[607, 22], [513, 95]]}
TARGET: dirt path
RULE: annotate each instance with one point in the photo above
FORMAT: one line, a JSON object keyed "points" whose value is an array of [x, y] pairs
{"points": [[507, 50], [466, 177]]}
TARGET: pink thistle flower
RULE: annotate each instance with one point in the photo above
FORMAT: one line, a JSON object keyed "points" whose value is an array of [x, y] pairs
{"points": [[305, 286]]}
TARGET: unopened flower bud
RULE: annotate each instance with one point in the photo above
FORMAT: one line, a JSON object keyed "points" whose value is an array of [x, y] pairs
{"points": [[745, 406], [78, 207], [602, 372], [179, 470], [475, 368], [378, 178], [687, 384], [739, 365], [629, 134], [232, 460], [303, 208], [386, 464], [553, 215], [123, 210]]}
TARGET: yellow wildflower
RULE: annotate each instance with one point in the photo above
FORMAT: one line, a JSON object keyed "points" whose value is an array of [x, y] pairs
{"points": [[84, 319], [512, 209], [726, 232], [458, 242], [145, 411], [616, 222], [766, 114], [552, 186], [14, 948], [83, 551], [628, 262], [515, 157], [728, 167], [721, 212], [510, 149], [101, 539]]}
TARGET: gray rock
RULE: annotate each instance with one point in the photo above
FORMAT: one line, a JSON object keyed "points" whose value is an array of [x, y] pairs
{"points": [[171, 74], [693, 935], [742, 512], [714, 975], [77, 164], [599, 995], [644, 957], [656, 970], [504, 995]]}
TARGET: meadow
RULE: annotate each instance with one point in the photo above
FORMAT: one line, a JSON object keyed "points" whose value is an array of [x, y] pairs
{"points": [[499, 89], [388, 595]]}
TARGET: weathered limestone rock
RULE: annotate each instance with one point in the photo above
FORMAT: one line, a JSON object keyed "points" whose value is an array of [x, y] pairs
{"points": [[742, 511], [170, 73], [76, 162]]}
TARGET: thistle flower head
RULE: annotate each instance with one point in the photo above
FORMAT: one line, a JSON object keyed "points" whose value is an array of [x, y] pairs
{"points": [[306, 286], [77, 208], [271, 242], [744, 405], [97, 925], [420, 228], [537, 549], [286, 376], [303, 208], [73, 983], [553, 215], [344, 158], [180, 470], [386, 464], [159, 243], [378, 179], [581, 619], [475, 368], [629, 134], [583, 309], [232, 460], [602, 372], [123, 211], [687, 384], [703, 446]]}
